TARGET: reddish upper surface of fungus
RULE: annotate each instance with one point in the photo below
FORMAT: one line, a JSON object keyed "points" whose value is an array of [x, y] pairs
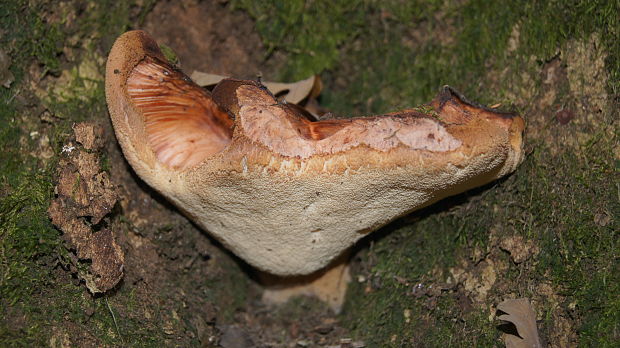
{"points": [[185, 126]]}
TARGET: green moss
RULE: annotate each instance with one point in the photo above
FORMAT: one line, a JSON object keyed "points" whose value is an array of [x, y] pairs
{"points": [[169, 54], [374, 45], [581, 255], [30, 35], [36, 294], [311, 34], [405, 259], [229, 291], [113, 328]]}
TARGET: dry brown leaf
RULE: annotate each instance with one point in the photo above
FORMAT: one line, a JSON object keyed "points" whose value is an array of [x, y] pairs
{"points": [[295, 91], [205, 79], [522, 315]]}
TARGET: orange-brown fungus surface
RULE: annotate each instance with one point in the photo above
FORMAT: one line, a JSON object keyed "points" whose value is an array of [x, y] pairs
{"points": [[183, 124], [287, 133]]}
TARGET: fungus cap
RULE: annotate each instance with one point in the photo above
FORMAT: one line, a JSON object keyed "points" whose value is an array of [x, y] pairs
{"points": [[286, 194]]}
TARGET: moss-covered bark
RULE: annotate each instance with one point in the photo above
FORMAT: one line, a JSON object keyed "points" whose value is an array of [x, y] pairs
{"points": [[549, 232]]}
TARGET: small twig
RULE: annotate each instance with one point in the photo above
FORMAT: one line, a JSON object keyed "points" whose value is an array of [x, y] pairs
{"points": [[114, 319]]}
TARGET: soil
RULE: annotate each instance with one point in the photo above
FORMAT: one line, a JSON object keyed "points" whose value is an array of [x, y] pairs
{"points": [[226, 44]]}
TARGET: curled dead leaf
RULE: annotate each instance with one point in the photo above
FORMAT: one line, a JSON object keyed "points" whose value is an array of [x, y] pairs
{"points": [[520, 313], [293, 92]]}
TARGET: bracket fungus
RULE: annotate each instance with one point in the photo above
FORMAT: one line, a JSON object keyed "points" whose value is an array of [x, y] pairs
{"points": [[286, 194]]}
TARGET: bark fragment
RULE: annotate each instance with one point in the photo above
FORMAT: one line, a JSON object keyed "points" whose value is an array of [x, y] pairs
{"points": [[84, 196]]}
